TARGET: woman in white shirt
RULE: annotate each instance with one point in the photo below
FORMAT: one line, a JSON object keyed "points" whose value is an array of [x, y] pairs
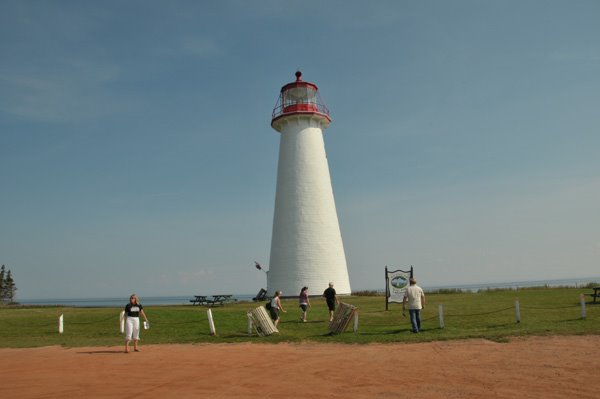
{"points": [[275, 307]]}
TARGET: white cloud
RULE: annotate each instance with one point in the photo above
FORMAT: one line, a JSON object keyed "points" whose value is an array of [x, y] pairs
{"points": [[195, 277], [198, 46], [573, 55], [72, 91], [190, 46]]}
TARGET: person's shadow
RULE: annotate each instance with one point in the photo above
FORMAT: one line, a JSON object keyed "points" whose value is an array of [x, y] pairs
{"points": [[103, 351]]}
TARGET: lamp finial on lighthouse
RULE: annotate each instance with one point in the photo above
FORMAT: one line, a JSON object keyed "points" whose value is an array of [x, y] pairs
{"points": [[306, 245]]}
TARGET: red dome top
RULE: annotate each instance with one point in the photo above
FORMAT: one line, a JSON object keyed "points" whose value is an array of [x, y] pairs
{"points": [[299, 97], [299, 83]]}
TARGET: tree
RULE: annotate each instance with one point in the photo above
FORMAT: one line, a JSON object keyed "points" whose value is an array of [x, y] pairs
{"points": [[10, 288], [2, 287]]}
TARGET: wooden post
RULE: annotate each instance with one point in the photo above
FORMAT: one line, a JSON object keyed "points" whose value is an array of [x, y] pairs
{"points": [[441, 315], [518, 310], [582, 302], [356, 322], [387, 292], [122, 322], [249, 323], [211, 323]]}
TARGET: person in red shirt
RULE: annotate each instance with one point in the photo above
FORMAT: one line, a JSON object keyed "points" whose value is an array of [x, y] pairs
{"points": [[304, 303]]}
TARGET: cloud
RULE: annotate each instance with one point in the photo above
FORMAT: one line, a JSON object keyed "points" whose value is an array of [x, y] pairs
{"points": [[195, 277], [135, 199], [68, 92], [581, 55], [191, 46], [198, 46]]}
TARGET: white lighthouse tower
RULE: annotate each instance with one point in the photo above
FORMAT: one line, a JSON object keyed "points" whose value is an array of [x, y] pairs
{"points": [[306, 247]]}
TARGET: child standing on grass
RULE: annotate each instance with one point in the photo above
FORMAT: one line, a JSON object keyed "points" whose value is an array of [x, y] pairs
{"points": [[304, 303], [132, 325]]}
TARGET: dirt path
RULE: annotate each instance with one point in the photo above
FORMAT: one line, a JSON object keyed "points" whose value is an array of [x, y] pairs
{"points": [[539, 367]]}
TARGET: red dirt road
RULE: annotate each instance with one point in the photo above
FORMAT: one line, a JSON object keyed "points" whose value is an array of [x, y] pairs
{"points": [[537, 367]]}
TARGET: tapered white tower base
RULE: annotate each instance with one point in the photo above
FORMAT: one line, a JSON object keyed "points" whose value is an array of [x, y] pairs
{"points": [[306, 247]]}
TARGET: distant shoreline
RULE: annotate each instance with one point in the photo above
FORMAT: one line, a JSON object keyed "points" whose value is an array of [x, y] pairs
{"points": [[571, 282], [184, 299]]}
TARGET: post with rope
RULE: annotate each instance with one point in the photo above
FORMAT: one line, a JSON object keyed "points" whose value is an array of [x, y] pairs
{"points": [[211, 323], [518, 310], [387, 289], [249, 315], [582, 302], [122, 322]]}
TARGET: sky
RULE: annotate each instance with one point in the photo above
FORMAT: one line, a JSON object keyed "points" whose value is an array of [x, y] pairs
{"points": [[136, 153]]}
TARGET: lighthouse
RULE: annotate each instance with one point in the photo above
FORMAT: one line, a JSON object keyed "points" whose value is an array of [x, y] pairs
{"points": [[306, 246]]}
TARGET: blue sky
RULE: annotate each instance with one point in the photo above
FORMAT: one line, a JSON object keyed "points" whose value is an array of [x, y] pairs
{"points": [[136, 153]]}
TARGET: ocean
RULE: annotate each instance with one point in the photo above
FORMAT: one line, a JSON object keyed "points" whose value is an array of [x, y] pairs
{"points": [[185, 300], [118, 302], [571, 282]]}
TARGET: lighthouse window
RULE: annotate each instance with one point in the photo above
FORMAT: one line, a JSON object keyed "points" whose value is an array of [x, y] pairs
{"points": [[311, 95], [299, 95]]}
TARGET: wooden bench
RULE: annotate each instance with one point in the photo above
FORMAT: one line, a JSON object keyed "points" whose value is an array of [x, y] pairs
{"points": [[216, 300], [596, 293], [220, 300], [261, 296]]}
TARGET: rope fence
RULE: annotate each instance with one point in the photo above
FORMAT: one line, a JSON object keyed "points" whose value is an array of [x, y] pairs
{"points": [[36, 325], [480, 314], [517, 307], [65, 321]]}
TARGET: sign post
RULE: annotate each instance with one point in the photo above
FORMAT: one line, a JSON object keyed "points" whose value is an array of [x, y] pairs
{"points": [[395, 284]]}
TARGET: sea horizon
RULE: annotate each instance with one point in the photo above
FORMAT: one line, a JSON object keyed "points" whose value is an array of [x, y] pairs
{"points": [[185, 299]]}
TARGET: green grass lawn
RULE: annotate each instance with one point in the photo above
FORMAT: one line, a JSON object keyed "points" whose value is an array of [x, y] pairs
{"points": [[488, 314]]}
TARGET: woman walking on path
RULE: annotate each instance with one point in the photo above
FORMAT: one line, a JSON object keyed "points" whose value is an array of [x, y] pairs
{"points": [[132, 325], [275, 307], [304, 303]]}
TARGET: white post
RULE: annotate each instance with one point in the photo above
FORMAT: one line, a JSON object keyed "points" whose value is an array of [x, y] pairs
{"points": [[441, 315], [249, 324], [582, 301], [211, 323], [355, 321], [518, 310], [122, 322], [61, 324]]}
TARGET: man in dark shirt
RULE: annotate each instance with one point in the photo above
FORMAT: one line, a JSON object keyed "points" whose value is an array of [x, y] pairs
{"points": [[331, 299]]}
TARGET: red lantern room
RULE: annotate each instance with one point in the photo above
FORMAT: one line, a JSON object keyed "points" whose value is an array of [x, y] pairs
{"points": [[299, 98]]}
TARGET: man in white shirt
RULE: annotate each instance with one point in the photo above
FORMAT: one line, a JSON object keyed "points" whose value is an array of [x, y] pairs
{"points": [[416, 301]]}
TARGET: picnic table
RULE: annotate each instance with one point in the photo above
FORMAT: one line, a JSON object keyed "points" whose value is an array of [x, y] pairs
{"points": [[596, 293], [198, 300], [216, 300], [222, 299]]}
